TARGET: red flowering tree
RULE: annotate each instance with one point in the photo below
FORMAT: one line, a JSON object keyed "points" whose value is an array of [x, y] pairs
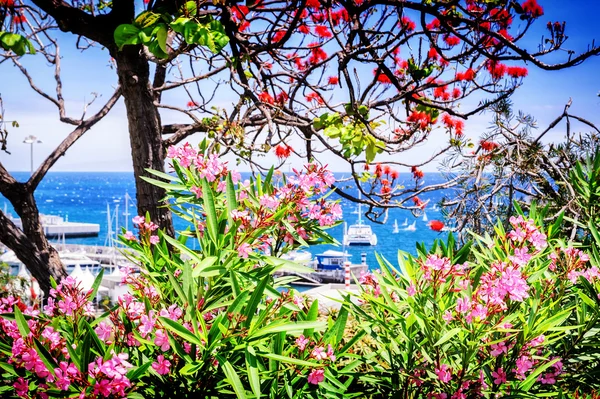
{"points": [[316, 79]]}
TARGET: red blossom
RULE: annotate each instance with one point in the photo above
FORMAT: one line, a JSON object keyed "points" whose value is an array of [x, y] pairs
{"points": [[451, 40], [7, 3], [278, 36], [432, 53], [394, 175], [315, 4], [282, 97], [417, 173], [467, 75], [314, 97], [532, 9], [435, 24], [266, 98], [456, 92], [323, 32], [192, 104], [436, 225], [381, 77], [245, 25], [19, 18], [305, 30], [488, 145], [407, 24], [333, 80], [283, 151], [496, 69], [422, 119], [502, 17], [516, 72]]}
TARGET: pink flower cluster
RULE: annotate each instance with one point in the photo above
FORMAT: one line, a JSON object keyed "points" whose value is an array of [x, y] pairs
{"points": [[316, 376], [207, 166], [525, 231], [110, 375]]}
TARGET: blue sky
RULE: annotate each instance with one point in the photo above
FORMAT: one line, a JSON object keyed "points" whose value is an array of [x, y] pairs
{"points": [[106, 146]]}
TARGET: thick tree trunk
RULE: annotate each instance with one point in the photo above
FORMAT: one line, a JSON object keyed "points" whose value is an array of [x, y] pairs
{"points": [[30, 245], [144, 132]]}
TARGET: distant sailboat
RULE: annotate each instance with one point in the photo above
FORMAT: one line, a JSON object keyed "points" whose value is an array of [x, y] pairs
{"points": [[396, 229], [405, 222], [425, 217], [412, 227]]}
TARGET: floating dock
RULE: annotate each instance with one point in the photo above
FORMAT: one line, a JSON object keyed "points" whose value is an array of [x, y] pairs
{"points": [[57, 227]]}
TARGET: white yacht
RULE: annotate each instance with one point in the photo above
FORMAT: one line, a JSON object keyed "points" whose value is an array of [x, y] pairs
{"points": [[405, 223], [425, 217], [396, 228], [359, 233]]}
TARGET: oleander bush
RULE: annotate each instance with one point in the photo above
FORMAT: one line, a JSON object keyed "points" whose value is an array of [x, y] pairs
{"points": [[510, 315], [513, 314]]}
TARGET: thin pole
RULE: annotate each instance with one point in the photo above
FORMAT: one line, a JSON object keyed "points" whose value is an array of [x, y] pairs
{"points": [[31, 157]]}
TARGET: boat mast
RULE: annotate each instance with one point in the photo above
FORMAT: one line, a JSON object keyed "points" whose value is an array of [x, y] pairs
{"points": [[126, 214]]}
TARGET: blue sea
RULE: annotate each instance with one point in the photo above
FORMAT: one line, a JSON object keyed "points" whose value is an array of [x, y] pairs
{"points": [[85, 196]]}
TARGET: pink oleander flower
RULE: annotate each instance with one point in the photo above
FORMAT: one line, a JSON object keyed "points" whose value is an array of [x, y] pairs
{"points": [[154, 240], [463, 305], [129, 236], [498, 349], [162, 340], [316, 377], [52, 336], [319, 353], [162, 366], [174, 312], [499, 376], [103, 330], [197, 191], [301, 342], [444, 373], [147, 323], [411, 290], [21, 386], [244, 250], [298, 301], [330, 353], [448, 316], [524, 365], [139, 220]]}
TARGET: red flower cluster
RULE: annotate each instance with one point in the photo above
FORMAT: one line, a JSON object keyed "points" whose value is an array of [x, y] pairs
{"points": [[317, 54], [420, 118], [453, 124], [278, 36], [333, 80], [436, 225], [283, 151], [315, 97], [488, 145], [7, 3], [323, 32], [407, 24], [433, 54], [19, 18], [496, 69], [381, 77], [532, 9], [468, 75], [435, 24], [192, 104], [451, 40], [266, 98], [417, 173], [418, 203], [516, 72], [502, 17]]}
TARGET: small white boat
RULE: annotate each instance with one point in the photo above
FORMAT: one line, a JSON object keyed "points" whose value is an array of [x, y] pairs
{"points": [[396, 228], [298, 256], [405, 223], [360, 233], [425, 217], [412, 227]]}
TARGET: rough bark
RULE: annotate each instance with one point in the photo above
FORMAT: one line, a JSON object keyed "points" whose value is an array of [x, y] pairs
{"points": [[144, 132], [30, 245]]}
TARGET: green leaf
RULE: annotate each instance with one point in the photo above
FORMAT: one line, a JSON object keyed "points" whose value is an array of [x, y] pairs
{"points": [[255, 300], [136, 372], [126, 34], [180, 330], [448, 336], [232, 378], [146, 19], [289, 360], [290, 328], [211, 214], [21, 323], [161, 38], [251, 367]]}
